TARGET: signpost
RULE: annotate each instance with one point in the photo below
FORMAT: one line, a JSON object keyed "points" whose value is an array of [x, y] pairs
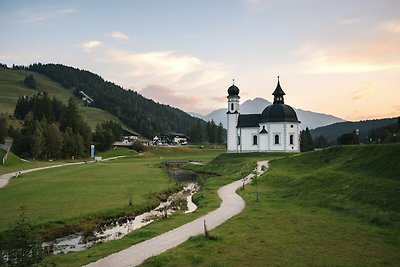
{"points": [[92, 151]]}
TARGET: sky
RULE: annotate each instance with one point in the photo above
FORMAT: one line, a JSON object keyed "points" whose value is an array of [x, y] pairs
{"points": [[335, 57]]}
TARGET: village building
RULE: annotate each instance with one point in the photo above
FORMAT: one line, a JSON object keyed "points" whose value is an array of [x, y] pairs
{"points": [[173, 138], [276, 129]]}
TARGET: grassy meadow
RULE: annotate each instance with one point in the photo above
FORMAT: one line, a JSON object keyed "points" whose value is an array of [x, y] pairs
{"points": [[335, 207], [223, 168], [65, 197], [12, 87]]}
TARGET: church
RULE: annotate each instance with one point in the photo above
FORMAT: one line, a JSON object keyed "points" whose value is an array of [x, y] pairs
{"points": [[276, 129]]}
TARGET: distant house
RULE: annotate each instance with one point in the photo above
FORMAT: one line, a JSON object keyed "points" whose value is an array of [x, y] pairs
{"points": [[85, 98], [129, 135], [173, 138]]}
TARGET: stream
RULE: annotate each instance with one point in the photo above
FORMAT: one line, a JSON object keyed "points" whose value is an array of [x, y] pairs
{"points": [[116, 229]]}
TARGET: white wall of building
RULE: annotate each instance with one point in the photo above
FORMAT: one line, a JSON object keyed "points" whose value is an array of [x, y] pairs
{"points": [[246, 139]]}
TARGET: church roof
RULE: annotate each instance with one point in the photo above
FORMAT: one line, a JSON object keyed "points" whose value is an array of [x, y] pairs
{"points": [[278, 90], [278, 113], [248, 120], [233, 90]]}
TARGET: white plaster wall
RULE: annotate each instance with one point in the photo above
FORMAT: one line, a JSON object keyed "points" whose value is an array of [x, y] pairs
{"points": [[232, 137], [276, 128], [246, 140], [296, 137]]}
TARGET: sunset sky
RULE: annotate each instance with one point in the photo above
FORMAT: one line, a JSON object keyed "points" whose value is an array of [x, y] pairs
{"points": [[335, 57]]}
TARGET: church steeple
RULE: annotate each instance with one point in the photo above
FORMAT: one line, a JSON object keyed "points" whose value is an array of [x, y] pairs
{"points": [[278, 94]]}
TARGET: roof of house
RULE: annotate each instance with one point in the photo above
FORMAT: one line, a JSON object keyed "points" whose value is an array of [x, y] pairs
{"points": [[129, 131]]}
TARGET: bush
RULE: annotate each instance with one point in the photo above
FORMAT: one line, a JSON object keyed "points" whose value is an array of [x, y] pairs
{"points": [[21, 245], [137, 146]]}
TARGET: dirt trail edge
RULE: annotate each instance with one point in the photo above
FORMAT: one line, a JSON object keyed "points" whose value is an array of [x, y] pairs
{"points": [[231, 205], [5, 178]]}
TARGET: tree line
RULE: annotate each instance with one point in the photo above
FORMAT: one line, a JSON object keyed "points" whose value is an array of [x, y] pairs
{"points": [[52, 130]]}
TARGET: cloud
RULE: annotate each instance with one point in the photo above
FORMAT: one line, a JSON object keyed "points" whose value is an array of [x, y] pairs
{"points": [[391, 26], [380, 51], [165, 95], [363, 92], [157, 71], [348, 21], [119, 36], [90, 45], [29, 16], [170, 68], [376, 54]]}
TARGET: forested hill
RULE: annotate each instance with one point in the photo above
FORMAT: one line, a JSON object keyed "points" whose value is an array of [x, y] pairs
{"points": [[141, 114], [366, 128]]}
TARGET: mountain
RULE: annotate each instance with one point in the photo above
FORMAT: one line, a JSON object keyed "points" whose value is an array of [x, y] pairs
{"points": [[12, 87], [333, 131], [135, 111], [257, 105]]}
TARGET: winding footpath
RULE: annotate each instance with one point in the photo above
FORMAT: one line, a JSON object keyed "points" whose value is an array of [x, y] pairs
{"points": [[5, 178], [231, 205]]}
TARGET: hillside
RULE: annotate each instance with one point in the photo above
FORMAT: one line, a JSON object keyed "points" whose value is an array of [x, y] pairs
{"points": [[335, 207], [308, 119], [12, 87], [363, 180], [333, 131], [139, 113]]}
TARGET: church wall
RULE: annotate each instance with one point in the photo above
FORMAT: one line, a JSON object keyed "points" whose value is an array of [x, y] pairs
{"points": [[232, 136], [276, 129], [246, 140], [296, 138]]}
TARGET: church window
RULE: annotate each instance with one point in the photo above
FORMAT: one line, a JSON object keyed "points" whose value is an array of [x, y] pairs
{"points": [[238, 140], [291, 139], [291, 126], [276, 139], [254, 140], [231, 106]]}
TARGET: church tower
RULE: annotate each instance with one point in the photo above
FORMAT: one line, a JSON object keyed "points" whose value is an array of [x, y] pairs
{"points": [[233, 115]]}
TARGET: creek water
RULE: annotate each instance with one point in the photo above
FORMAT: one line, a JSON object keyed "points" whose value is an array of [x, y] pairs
{"points": [[116, 229]]}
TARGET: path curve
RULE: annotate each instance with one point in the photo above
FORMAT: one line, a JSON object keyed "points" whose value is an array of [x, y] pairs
{"points": [[5, 178], [231, 205]]}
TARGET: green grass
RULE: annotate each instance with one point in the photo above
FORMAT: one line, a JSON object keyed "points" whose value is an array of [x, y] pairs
{"points": [[68, 196], [2, 154], [12, 87], [14, 163], [299, 220], [228, 167]]}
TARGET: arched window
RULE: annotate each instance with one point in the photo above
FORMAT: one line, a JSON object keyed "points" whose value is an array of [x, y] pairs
{"points": [[231, 106], [254, 140], [291, 139], [276, 139]]}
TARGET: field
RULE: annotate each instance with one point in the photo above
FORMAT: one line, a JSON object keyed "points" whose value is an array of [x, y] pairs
{"points": [[69, 196], [12, 87], [336, 207], [228, 167]]}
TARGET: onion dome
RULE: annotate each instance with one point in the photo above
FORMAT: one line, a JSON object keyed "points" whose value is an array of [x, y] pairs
{"points": [[233, 90]]}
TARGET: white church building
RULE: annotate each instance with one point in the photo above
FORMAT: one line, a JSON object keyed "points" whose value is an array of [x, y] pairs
{"points": [[276, 129]]}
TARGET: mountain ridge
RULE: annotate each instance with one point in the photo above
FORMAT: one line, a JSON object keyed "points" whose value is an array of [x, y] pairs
{"points": [[307, 118]]}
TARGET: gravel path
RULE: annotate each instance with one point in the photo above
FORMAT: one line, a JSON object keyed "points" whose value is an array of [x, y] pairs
{"points": [[231, 205], [4, 179]]}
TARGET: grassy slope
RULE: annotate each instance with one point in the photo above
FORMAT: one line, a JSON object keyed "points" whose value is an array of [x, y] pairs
{"points": [[229, 167], [12, 87], [315, 209]]}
